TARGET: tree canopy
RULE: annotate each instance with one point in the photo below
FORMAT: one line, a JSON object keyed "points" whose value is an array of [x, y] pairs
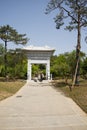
{"points": [[62, 66], [75, 10], [76, 13], [8, 34]]}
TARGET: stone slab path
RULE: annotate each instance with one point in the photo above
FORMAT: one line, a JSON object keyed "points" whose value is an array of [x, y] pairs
{"points": [[38, 106]]}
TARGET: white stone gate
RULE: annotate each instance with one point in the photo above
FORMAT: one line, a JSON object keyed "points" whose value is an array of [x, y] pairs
{"points": [[38, 55]]}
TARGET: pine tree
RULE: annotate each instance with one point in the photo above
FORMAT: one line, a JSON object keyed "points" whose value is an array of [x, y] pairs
{"points": [[76, 12], [8, 34]]}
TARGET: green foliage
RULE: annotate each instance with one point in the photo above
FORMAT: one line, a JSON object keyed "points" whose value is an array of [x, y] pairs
{"points": [[76, 13], [8, 34], [1, 49], [16, 64], [60, 67], [84, 68], [37, 69], [63, 66]]}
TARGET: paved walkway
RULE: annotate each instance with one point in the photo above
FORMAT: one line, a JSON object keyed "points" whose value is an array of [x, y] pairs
{"points": [[37, 106]]}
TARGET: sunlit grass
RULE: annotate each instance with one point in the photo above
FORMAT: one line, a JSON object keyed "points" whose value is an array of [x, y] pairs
{"points": [[78, 94], [9, 88]]}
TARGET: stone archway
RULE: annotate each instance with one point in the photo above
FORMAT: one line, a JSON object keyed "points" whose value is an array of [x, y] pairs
{"points": [[38, 55], [46, 62]]}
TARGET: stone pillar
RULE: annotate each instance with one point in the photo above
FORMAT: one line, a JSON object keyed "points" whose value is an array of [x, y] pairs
{"points": [[48, 70], [29, 70], [46, 73]]}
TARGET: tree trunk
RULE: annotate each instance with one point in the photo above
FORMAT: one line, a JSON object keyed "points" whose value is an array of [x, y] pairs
{"points": [[78, 53], [5, 58], [77, 68], [77, 71]]}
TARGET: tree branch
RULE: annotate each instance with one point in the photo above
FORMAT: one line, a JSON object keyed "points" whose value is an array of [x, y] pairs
{"points": [[84, 23], [69, 14]]}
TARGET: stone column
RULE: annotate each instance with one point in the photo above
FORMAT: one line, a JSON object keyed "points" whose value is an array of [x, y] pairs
{"points": [[46, 73], [48, 70], [29, 70]]}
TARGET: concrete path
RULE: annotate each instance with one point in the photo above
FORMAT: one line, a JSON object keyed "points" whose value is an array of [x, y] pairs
{"points": [[37, 106]]}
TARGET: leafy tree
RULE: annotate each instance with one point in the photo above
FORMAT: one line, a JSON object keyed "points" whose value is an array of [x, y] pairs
{"points": [[1, 49], [76, 12], [1, 59], [84, 68], [59, 66], [37, 69], [17, 64], [70, 59], [8, 34], [63, 66]]}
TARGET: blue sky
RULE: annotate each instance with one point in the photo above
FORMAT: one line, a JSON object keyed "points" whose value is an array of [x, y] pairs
{"points": [[28, 16]]}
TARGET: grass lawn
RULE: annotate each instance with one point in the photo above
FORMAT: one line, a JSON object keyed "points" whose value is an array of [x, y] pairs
{"points": [[78, 94], [9, 88]]}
